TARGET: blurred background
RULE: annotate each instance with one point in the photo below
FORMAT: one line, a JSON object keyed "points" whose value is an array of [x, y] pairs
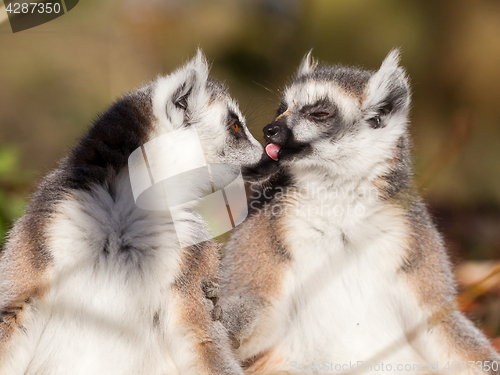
{"points": [[55, 79]]}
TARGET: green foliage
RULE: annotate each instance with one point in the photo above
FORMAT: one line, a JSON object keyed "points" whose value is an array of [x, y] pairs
{"points": [[11, 202]]}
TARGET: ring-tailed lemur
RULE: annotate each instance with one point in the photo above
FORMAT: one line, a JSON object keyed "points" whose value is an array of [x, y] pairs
{"points": [[92, 284], [340, 263]]}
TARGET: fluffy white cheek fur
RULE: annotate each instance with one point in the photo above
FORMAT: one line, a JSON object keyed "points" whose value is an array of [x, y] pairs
{"points": [[212, 131], [361, 153], [216, 138]]}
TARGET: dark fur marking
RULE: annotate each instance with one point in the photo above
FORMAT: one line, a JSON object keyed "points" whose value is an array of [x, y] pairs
{"points": [[344, 238], [250, 361], [279, 249], [109, 142], [156, 319], [266, 194], [101, 154], [105, 248], [400, 176], [395, 100], [320, 105], [281, 108], [351, 79], [417, 216], [169, 118]]}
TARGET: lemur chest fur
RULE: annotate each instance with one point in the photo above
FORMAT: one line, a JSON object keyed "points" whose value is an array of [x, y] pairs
{"points": [[344, 282], [111, 305]]}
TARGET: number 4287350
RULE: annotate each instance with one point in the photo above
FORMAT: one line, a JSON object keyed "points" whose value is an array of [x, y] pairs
{"points": [[33, 8]]}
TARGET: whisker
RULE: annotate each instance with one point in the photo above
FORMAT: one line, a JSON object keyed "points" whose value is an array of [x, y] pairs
{"points": [[276, 93]]}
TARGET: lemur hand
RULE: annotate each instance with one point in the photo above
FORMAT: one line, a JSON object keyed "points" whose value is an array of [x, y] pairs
{"points": [[212, 292]]}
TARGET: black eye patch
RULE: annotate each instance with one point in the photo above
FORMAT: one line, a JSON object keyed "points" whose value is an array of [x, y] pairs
{"points": [[322, 110], [234, 124], [281, 109]]}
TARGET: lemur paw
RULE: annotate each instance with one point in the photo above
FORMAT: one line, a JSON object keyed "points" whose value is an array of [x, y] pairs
{"points": [[235, 342], [211, 290], [217, 313]]}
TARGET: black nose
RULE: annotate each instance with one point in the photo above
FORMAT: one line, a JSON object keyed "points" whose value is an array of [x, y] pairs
{"points": [[271, 130], [275, 132]]}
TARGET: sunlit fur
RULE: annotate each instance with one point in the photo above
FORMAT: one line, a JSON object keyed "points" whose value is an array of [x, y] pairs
{"points": [[340, 261], [90, 283]]}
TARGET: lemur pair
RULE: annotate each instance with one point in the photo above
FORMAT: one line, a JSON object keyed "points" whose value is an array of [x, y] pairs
{"points": [[92, 284]]}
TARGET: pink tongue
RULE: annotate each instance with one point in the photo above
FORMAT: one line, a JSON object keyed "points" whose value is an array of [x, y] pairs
{"points": [[272, 150]]}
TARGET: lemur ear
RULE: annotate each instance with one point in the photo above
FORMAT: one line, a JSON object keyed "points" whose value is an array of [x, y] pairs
{"points": [[388, 90], [193, 78], [200, 65], [307, 65]]}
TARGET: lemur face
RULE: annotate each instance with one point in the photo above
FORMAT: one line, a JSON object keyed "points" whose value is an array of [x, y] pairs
{"points": [[341, 118], [187, 98]]}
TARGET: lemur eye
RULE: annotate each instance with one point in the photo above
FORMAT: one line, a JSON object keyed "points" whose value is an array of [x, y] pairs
{"points": [[319, 114], [235, 124]]}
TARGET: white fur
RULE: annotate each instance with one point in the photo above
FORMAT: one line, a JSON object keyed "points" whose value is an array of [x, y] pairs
{"points": [[193, 76], [344, 298], [209, 117], [359, 153], [97, 316], [307, 65], [344, 303], [390, 73]]}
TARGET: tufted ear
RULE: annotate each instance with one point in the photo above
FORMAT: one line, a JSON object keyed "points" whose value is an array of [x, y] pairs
{"points": [[200, 65], [307, 65], [388, 90], [193, 77]]}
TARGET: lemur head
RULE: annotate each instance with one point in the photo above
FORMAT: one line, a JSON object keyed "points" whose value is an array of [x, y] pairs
{"points": [[342, 120], [187, 98]]}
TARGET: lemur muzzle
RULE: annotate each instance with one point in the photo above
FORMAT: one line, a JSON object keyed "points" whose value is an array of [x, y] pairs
{"points": [[277, 132]]}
